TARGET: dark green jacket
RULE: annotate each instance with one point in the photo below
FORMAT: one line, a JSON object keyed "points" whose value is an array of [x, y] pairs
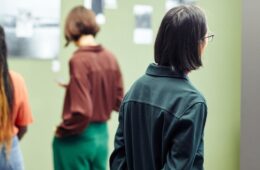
{"points": [[161, 124]]}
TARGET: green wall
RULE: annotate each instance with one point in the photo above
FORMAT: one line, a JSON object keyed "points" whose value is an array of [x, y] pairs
{"points": [[219, 80]]}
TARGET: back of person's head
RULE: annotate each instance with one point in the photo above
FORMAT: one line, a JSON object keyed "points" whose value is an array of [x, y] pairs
{"points": [[80, 21], [3, 48], [6, 96], [177, 44]]}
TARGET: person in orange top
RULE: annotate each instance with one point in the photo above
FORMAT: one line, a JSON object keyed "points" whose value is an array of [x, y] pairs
{"points": [[15, 112]]}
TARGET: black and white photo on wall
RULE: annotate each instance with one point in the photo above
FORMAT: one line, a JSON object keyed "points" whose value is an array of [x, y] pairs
{"points": [[173, 3], [32, 28], [98, 7], [143, 33]]}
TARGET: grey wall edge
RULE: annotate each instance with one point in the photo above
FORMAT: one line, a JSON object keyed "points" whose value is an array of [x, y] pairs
{"points": [[250, 101]]}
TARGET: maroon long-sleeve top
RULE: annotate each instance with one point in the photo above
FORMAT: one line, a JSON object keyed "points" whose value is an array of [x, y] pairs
{"points": [[94, 90]]}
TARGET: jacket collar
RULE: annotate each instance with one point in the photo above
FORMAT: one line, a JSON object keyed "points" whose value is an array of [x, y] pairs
{"points": [[164, 71]]}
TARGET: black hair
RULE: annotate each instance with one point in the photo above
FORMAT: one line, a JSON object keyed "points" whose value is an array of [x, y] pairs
{"points": [[178, 38], [4, 71]]}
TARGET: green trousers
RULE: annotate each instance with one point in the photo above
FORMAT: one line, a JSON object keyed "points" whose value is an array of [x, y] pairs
{"points": [[87, 151]]}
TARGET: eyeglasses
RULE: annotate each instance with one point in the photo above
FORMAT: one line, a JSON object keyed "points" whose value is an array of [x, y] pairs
{"points": [[209, 37]]}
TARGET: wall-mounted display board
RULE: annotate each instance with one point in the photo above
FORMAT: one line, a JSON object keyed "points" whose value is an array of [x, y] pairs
{"points": [[32, 27]]}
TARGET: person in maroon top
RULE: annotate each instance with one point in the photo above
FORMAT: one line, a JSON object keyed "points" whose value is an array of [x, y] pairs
{"points": [[95, 89]]}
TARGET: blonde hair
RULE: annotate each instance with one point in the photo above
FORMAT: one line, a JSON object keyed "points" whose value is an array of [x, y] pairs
{"points": [[6, 125]]}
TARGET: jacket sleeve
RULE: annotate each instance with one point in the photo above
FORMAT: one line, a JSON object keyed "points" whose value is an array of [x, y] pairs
{"points": [[117, 159], [186, 148], [119, 90], [78, 107]]}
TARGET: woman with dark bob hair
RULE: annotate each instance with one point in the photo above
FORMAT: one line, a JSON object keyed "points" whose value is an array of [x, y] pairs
{"points": [[15, 112], [95, 89], [162, 117]]}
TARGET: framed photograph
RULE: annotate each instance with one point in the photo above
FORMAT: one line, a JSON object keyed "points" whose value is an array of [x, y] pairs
{"points": [[98, 7], [143, 33], [32, 27]]}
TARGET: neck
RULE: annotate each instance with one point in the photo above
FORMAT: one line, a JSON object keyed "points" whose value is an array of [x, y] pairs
{"points": [[86, 40]]}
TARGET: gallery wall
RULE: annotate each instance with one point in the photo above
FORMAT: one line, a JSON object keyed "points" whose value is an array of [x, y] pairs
{"points": [[218, 80]]}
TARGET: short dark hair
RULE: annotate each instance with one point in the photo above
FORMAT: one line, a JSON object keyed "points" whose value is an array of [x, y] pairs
{"points": [[178, 38], [80, 21]]}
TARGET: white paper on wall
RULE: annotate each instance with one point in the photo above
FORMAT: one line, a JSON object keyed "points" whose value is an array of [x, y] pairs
{"points": [[55, 65], [143, 36], [111, 4], [24, 24], [88, 4], [143, 33], [171, 3]]}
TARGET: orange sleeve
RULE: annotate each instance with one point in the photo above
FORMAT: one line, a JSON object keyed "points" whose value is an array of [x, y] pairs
{"points": [[24, 114]]}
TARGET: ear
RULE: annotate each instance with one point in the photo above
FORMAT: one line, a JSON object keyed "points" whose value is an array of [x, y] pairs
{"points": [[202, 46]]}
